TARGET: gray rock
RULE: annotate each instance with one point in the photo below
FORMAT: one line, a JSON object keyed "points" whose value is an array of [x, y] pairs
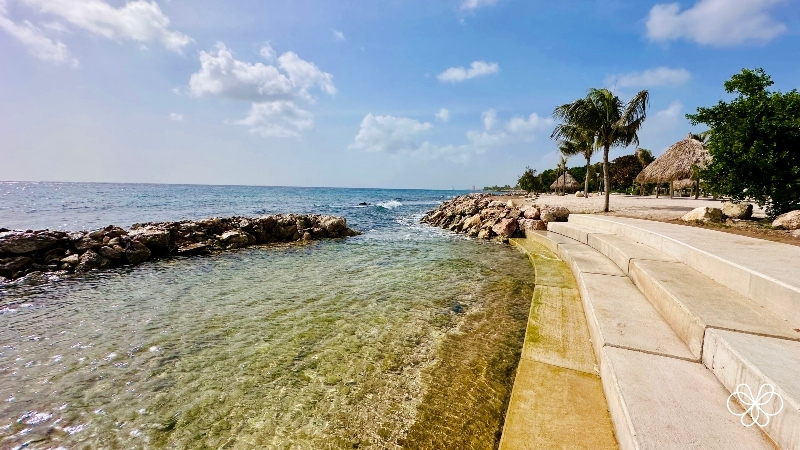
{"points": [[136, 252], [87, 243], [91, 260], [737, 210], [156, 239], [72, 260], [788, 221], [12, 268], [109, 252], [22, 242], [558, 213], [193, 249], [703, 214], [333, 224], [235, 239]]}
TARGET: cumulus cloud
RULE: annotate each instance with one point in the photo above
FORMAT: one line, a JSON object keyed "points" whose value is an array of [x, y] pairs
{"points": [[715, 22], [36, 41], [400, 135], [489, 119], [338, 35], [661, 76], [280, 118], [388, 134], [476, 69], [473, 4], [273, 91], [443, 115], [177, 117], [140, 20]]}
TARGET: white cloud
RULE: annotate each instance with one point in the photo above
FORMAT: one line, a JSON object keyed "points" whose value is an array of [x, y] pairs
{"points": [[715, 22], [443, 115], [177, 117], [661, 76], [534, 122], [476, 69], [388, 134], [279, 118], [472, 4], [221, 74], [338, 35], [664, 127], [140, 20], [672, 112], [274, 91], [35, 41], [489, 119], [267, 52], [304, 74]]}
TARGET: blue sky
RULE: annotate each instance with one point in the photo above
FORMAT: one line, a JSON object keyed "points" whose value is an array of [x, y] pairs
{"points": [[397, 93]]}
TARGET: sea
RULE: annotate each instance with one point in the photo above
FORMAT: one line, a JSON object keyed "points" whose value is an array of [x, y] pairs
{"points": [[405, 337]]}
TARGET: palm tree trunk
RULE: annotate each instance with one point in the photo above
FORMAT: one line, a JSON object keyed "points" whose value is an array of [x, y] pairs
{"points": [[586, 181], [696, 189], [606, 148]]}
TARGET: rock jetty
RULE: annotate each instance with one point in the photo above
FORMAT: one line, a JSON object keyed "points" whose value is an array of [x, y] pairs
{"points": [[485, 217], [25, 252]]}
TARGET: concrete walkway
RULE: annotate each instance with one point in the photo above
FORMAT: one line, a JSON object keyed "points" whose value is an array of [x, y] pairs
{"points": [[557, 400], [680, 319]]}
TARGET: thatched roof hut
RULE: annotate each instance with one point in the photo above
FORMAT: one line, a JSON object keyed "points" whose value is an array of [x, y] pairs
{"points": [[571, 184], [676, 163], [687, 183]]}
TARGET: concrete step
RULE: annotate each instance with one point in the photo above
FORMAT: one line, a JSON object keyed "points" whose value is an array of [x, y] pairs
{"points": [[572, 231], [763, 271], [756, 361], [658, 402]]}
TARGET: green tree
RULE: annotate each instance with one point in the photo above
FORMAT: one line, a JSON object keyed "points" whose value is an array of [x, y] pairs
{"points": [[608, 119], [529, 182], [644, 156], [582, 144], [547, 177], [754, 143], [624, 171]]}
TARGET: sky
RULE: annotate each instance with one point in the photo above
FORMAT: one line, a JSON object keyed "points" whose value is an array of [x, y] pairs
{"points": [[395, 94]]}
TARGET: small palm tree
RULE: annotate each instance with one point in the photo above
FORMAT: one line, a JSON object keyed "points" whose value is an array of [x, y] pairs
{"points": [[583, 146], [608, 119]]}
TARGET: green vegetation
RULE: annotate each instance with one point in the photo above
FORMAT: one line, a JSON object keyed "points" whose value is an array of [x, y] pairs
{"points": [[602, 115], [755, 143], [623, 172], [498, 188], [529, 182], [581, 144]]}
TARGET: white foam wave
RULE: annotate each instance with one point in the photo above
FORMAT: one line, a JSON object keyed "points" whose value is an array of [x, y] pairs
{"points": [[391, 204]]}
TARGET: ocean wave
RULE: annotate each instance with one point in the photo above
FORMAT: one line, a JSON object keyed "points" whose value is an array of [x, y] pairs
{"points": [[391, 204]]}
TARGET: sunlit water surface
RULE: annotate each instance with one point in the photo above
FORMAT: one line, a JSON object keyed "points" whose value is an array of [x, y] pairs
{"points": [[404, 337]]}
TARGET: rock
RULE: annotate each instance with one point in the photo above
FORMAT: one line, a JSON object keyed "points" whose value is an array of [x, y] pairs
{"points": [[496, 204], [97, 234], [474, 221], [109, 252], [703, 214], [12, 268], [484, 234], [532, 213], [136, 252], [235, 239], [560, 213], [788, 221], [737, 210], [157, 240], [333, 224], [307, 236], [796, 233], [91, 260], [72, 260], [527, 225], [547, 216], [505, 227], [193, 249], [579, 194], [510, 204], [23, 242], [87, 243]]}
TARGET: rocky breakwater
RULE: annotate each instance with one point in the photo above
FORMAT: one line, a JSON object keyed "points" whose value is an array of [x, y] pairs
{"points": [[485, 217], [27, 252]]}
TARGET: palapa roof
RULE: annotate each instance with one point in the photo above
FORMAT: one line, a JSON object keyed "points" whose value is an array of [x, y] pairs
{"points": [[676, 163], [571, 183], [683, 184]]}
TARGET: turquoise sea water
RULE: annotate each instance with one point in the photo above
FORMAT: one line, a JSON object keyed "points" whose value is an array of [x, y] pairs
{"points": [[404, 337]]}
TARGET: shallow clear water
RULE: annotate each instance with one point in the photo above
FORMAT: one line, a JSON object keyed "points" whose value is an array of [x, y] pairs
{"points": [[404, 337]]}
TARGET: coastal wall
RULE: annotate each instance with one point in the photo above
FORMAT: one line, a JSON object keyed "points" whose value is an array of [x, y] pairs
{"points": [[26, 252], [485, 216]]}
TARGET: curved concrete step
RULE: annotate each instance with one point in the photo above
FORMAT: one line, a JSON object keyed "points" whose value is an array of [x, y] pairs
{"points": [[763, 271]]}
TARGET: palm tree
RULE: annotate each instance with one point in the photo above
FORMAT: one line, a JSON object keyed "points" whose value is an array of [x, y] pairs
{"points": [[584, 146], [608, 119]]}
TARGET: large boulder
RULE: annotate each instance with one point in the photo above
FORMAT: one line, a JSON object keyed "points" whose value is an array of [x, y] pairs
{"points": [[703, 214], [788, 221], [20, 242], [333, 225], [505, 227], [532, 212], [87, 243], [156, 239], [561, 213], [136, 252], [474, 221], [91, 260], [11, 268], [236, 239], [737, 210], [528, 225]]}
